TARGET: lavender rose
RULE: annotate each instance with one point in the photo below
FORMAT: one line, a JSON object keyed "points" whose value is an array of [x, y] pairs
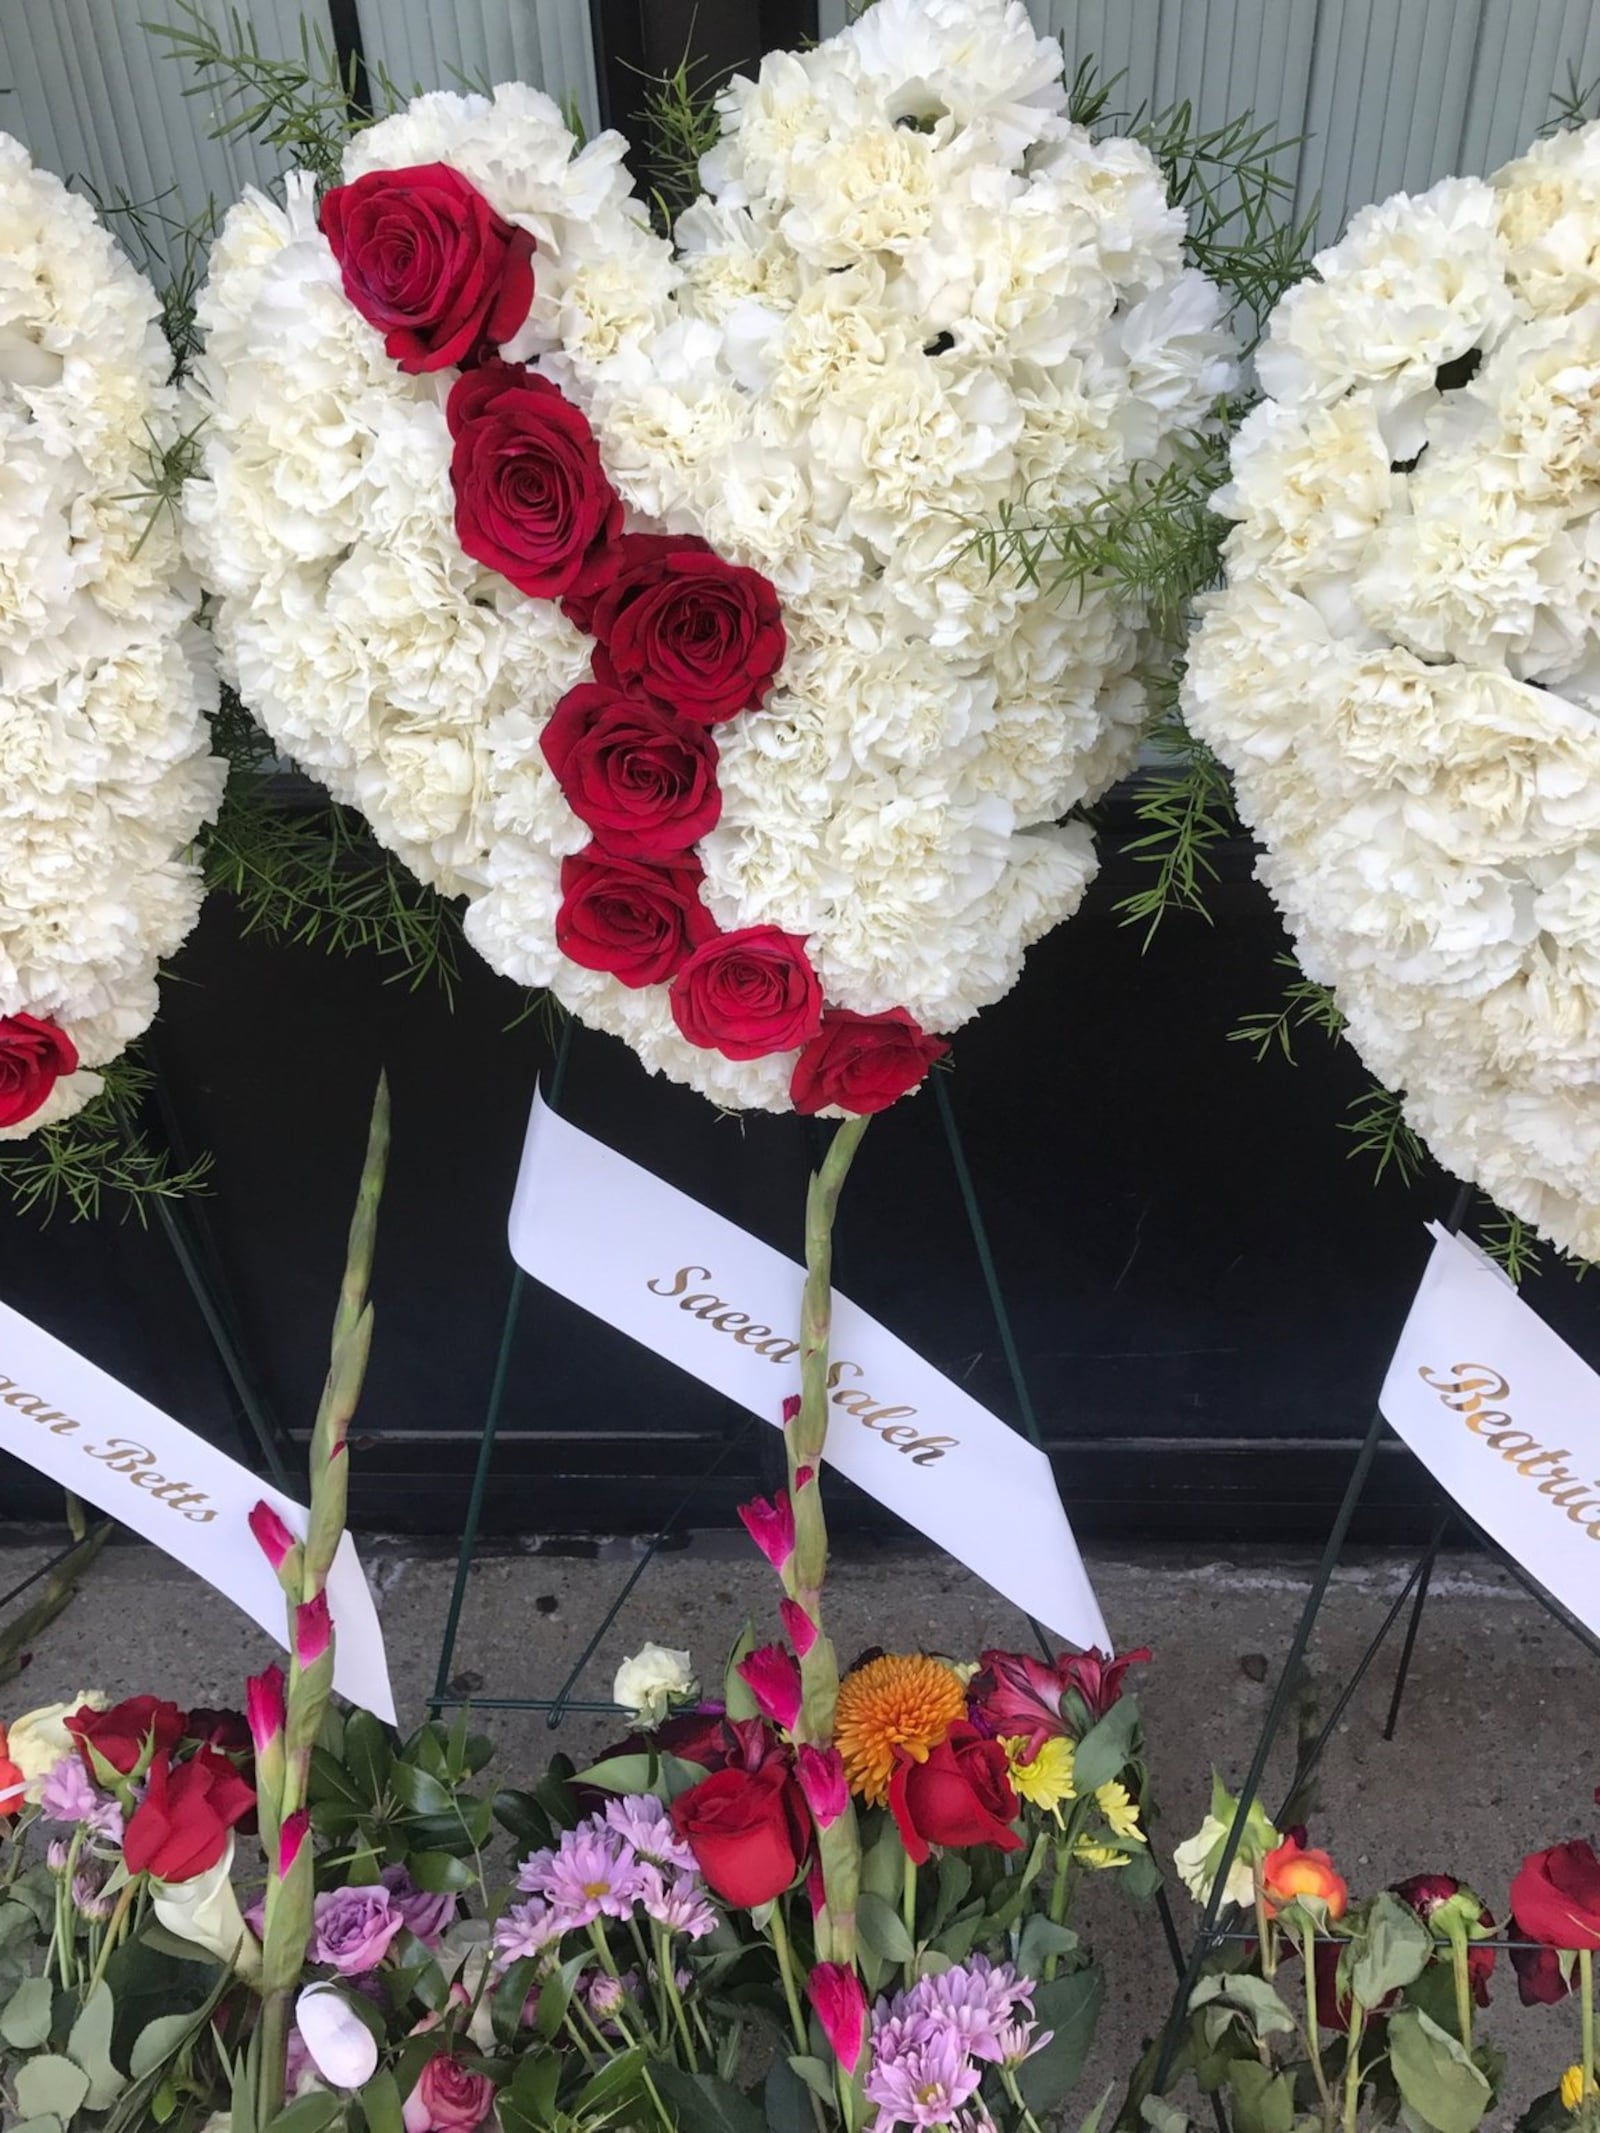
{"points": [[425, 1915], [354, 1928]]}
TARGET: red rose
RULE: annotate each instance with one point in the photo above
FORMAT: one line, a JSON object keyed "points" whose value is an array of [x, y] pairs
{"points": [[862, 1063], [1428, 1895], [960, 1795], [428, 262], [122, 1735], [33, 1056], [644, 780], [180, 1828], [636, 919], [1556, 1896], [448, 2098], [748, 1830], [748, 993], [688, 629], [1541, 1981], [532, 499]]}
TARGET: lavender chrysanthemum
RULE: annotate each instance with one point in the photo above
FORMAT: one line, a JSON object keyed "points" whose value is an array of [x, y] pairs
{"points": [[643, 1822], [677, 1901], [524, 1929], [592, 1873], [69, 1794], [976, 1999], [920, 2074]]}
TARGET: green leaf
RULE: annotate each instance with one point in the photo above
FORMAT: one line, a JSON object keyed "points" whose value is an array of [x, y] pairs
{"points": [[50, 2087], [1434, 2074], [815, 2073], [15, 1918], [1394, 1949], [555, 1996], [1107, 1748], [530, 2100], [1253, 1997], [380, 2100], [417, 1790], [439, 1872], [310, 2114], [1141, 1877], [1163, 2117], [883, 1862], [787, 2100], [1263, 2101], [156, 2043], [89, 2046], [1070, 2006], [521, 1815], [46, 2124], [882, 1929], [619, 2077], [367, 1754], [331, 1781], [702, 2103], [1041, 1938], [737, 1697], [25, 2019]]}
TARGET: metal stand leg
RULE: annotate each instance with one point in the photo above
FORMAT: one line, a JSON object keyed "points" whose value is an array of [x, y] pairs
{"points": [[1424, 1577]]}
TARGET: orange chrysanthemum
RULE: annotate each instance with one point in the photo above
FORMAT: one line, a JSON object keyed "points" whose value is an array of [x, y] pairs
{"points": [[894, 1702]]}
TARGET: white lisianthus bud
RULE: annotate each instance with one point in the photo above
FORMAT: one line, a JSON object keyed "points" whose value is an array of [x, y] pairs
{"points": [[343, 2049], [206, 1911], [652, 1681]]}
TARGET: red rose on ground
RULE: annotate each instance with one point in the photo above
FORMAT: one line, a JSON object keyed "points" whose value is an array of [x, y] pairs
{"points": [[1555, 1897], [688, 629], [119, 1736], [427, 261], [532, 499], [643, 779], [862, 1063], [34, 1055], [180, 1828], [960, 1795], [639, 919], [749, 1830], [748, 993]]}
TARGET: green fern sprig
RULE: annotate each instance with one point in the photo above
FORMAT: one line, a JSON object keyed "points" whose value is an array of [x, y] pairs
{"points": [[99, 1159], [1305, 1005]]}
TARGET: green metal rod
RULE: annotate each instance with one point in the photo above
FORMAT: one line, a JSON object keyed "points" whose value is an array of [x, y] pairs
{"points": [[491, 1425]]}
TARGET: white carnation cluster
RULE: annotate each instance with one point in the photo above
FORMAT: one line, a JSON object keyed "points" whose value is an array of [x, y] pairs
{"points": [[1403, 673], [913, 295], [105, 683]]}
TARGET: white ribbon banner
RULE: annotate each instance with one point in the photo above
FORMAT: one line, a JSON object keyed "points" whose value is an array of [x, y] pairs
{"points": [[67, 1417], [711, 1298], [1506, 1417]]}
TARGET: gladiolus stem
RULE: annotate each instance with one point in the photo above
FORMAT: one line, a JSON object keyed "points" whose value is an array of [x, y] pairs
{"points": [[1308, 1949], [780, 1941], [274, 2054], [1586, 1987]]}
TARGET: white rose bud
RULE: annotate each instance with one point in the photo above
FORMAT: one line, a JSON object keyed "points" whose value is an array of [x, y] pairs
{"points": [[38, 1740], [343, 2050], [1193, 1862], [652, 1681]]}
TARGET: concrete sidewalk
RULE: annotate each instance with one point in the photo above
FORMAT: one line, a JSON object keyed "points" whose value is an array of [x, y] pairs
{"points": [[1498, 1751]]}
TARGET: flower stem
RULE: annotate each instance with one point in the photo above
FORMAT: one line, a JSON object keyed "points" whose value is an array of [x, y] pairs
{"points": [[1463, 1978], [1586, 1987], [780, 1941], [669, 1985], [1352, 2067], [1264, 1931], [113, 1932], [274, 2055], [908, 1911], [1008, 2082], [1308, 1948]]}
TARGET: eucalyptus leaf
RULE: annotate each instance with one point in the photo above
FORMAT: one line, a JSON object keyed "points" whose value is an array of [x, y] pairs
{"points": [[89, 2046], [50, 2087], [882, 1928], [25, 2018], [1435, 2075], [156, 2043]]}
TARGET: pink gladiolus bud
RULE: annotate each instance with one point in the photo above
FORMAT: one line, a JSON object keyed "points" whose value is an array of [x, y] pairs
{"points": [[263, 1697], [771, 1526], [772, 1675], [313, 1630], [802, 1630], [841, 2006], [791, 1408], [272, 1536], [295, 1830], [822, 1780], [804, 1475]]}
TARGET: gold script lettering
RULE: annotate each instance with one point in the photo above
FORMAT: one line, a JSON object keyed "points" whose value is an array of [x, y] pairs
{"points": [[1464, 1388]]}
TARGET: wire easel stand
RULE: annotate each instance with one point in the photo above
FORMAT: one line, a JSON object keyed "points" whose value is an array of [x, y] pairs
{"points": [[1211, 1934]]}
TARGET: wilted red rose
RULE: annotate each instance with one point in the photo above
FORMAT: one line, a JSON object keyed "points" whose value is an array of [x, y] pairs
{"points": [[226, 1731], [749, 1830], [427, 261], [639, 919], [180, 1828], [679, 624], [1541, 1978], [643, 779], [122, 1735], [1428, 1895], [532, 499], [959, 1795], [862, 1063], [1555, 1897], [34, 1055], [748, 993]]}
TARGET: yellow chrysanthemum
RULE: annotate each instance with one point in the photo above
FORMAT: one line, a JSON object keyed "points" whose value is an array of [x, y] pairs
{"points": [[1572, 2088], [1120, 1810], [893, 1702], [1043, 1780], [1097, 1855]]}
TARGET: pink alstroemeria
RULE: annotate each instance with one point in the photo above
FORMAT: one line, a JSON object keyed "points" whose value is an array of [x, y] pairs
{"points": [[263, 1699], [802, 1630], [313, 1629], [1015, 1696], [296, 1828], [841, 2007], [771, 1526], [772, 1675], [822, 1780], [272, 1536]]}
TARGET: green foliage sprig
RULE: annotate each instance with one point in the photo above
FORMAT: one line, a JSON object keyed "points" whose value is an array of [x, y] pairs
{"points": [[101, 1159]]}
